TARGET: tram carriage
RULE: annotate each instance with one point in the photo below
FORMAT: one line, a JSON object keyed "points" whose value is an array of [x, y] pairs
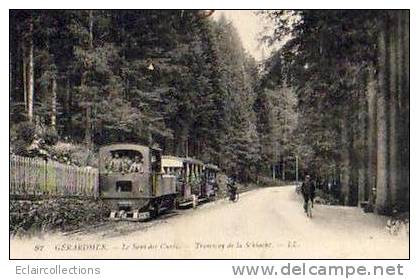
{"points": [[172, 165], [196, 181], [132, 182], [191, 192], [189, 173], [210, 185]]}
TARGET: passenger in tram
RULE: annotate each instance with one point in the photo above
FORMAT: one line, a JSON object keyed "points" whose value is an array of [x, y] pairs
{"points": [[137, 166], [126, 164], [115, 165]]}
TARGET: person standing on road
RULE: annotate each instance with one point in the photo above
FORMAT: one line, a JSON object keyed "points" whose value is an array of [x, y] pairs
{"points": [[307, 189]]}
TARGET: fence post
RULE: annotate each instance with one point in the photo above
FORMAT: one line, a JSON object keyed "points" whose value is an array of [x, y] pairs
{"points": [[45, 165]]}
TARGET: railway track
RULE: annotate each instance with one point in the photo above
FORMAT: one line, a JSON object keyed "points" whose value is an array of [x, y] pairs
{"points": [[117, 228]]}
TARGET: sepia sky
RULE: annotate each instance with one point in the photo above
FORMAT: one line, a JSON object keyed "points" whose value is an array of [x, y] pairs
{"points": [[250, 26]]}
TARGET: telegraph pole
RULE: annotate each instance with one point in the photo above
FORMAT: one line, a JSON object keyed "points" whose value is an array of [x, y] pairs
{"points": [[187, 147], [275, 161], [283, 168], [273, 172], [296, 169]]}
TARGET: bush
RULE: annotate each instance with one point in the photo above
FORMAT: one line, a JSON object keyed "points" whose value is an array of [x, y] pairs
{"points": [[50, 136], [25, 132], [323, 197], [21, 137], [266, 181], [54, 214], [19, 147], [74, 154], [83, 156]]}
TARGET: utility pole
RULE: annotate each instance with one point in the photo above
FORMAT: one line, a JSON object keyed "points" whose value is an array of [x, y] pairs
{"points": [[275, 161], [186, 147], [296, 169], [273, 171], [283, 168]]}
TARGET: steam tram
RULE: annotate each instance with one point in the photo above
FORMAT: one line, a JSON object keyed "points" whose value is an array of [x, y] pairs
{"points": [[138, 182], [132, 182]]}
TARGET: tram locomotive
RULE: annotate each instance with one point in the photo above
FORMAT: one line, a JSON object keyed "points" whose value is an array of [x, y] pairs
{"points": [[138, 182], [132, 182]]}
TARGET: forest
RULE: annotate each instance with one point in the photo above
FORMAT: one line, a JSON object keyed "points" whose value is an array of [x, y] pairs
{"points": [[334, 96]]}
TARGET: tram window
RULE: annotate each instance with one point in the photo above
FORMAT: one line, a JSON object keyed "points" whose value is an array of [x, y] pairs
{"points": [[124, 186], [125, 208], [124, 161]]}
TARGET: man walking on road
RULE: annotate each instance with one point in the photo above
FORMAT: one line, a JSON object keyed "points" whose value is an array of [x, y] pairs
{"points": [[307, 189]]}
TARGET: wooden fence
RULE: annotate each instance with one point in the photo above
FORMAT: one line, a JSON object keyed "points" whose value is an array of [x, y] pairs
{"points": [[37, 177]]}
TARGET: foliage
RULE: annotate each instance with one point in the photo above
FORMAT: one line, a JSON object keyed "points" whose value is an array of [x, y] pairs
{"points": [[58, 214], [324, 58], [170, 78], [50, 136], [344, 67], [24, 131], [73, 154]]}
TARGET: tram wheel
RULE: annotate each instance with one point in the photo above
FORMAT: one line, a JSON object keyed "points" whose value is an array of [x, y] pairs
{"points": [[156, 209]]}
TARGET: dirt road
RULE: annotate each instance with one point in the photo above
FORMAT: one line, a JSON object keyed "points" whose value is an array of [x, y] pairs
{"points": [[265, 223]]}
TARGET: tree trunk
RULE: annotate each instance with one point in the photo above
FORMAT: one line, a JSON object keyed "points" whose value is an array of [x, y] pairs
{"points": [[30, 74], [54, 103], [394, 161], [24, 75], [88, 112], [404, 109], [88, 134], [372, 136], [11, 76], [383, 193], [345, 168], [91, 29], [353, 165], [67, 108], [362, 154]]}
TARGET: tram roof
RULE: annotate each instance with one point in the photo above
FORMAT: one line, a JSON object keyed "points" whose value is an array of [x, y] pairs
{"points": [[128, 146], [212, 167], [172, 161], [190, 160], [124, 146]]}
